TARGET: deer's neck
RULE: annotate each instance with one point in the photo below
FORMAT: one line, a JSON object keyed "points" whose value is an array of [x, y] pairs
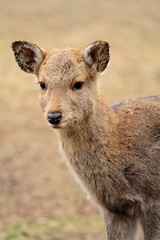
{"points": [[89, 150], [96, 133]]}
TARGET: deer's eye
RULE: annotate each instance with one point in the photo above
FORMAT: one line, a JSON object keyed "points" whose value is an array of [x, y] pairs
{"points": [[42, 85], [78, 85]]}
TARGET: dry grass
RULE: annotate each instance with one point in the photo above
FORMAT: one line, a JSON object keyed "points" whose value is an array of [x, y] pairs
{"points": [[39, 199]]}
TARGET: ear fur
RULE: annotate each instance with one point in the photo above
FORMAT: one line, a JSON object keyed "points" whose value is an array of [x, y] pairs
{"points": [[97, 55], [28, 56]]}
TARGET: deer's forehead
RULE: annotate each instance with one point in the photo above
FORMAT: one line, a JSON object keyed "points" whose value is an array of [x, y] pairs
{"points": [[62, 65], [62, 60]]}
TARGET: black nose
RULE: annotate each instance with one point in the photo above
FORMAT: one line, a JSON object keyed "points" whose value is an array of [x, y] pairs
{"points": [[55, 117]]}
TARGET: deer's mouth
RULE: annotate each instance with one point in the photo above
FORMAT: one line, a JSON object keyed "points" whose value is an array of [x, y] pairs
{"points": [[62, 124]]}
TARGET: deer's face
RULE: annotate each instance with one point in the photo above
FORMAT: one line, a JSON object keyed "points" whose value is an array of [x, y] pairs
{"points": [[67, 79], [67, 88]]}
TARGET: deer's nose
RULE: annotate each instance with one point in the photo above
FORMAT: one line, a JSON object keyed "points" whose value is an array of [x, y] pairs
{"points": [[54, 117]]}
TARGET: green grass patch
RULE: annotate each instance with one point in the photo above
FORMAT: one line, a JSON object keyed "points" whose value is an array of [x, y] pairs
{"points": [[46, 228]]}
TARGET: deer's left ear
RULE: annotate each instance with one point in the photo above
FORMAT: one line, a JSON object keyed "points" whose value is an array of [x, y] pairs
{"points": [[96, 55], [28, 56]]}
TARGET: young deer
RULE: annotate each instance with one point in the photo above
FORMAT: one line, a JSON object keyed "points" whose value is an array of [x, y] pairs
{"points": [[114, 152]]}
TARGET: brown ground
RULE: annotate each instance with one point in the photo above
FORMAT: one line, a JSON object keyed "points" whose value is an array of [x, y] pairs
{"points": [[39, 199]]}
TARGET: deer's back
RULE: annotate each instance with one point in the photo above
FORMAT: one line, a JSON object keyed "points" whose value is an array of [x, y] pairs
{"points": [[139, 119]]}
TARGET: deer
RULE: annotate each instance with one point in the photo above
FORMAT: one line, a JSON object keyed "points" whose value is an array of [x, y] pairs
{"points": [[113, 151]]}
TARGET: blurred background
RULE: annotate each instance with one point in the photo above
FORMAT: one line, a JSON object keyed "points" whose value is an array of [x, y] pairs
{"points": [[39, 199]]}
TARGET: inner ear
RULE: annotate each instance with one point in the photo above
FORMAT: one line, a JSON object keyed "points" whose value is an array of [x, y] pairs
{"points": [[97, 55], [28, 56]]}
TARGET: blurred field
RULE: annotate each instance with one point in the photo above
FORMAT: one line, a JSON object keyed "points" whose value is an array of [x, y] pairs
{"points": [[39, 199]]}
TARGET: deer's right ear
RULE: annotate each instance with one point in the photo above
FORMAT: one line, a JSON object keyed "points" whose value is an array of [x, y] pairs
{"points": [[28, 56]]}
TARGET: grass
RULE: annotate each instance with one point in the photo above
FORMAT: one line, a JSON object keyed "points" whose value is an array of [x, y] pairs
{"points": [[39, 199], [47, 229]]}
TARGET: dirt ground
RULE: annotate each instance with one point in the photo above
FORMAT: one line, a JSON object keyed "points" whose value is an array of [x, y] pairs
{"points": [[39, 199]]}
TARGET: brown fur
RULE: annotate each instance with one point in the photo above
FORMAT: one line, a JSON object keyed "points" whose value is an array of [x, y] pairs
{"points": [[114, 152]]}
